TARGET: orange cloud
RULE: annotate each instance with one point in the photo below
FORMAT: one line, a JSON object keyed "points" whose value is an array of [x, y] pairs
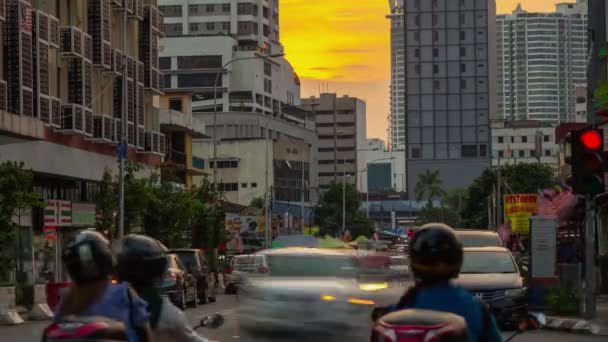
{"points": [[345, 44]]}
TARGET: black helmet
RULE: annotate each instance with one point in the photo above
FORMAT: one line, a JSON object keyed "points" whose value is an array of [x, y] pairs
{"points": [[142, 260], [88, 257], [435, 253]]}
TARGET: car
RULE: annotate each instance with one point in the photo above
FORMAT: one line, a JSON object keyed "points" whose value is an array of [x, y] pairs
{"points": [[478, 238], [196, 264], [311, 291], [178, 284], [491, 275], [244, 267]]}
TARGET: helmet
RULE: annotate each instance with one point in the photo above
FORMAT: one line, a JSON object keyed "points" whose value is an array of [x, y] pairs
{"points": [[435, 253], [88, 257], [142, 260]]}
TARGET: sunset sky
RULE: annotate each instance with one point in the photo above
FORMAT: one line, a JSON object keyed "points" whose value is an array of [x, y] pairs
{"points": [[344, 46]]}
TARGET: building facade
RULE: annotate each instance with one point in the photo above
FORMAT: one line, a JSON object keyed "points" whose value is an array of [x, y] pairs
{"points": [[450, 72], [542, 58], [384, 170], [398, 94], [524, 141], [238, 41], [63, 107], [341, 129]]}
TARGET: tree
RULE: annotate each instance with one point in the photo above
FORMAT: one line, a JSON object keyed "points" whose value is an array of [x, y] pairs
{"points": [[328, 213], [208, 229], [138, 193], [16, 197], [429, 186], [258, 202], [515, 179], [107, 202]]}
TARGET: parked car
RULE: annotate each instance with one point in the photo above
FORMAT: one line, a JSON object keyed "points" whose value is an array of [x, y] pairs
{"points": [[492, 275], [178, 284], [244, 267], [478, 238], [196, 264]]}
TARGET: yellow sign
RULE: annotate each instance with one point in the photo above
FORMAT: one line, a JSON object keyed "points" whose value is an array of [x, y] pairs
{"points": [[311, 230], [518, 209]]}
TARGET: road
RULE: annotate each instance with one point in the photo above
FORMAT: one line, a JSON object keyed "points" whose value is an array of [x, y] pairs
{"points": [[228, 306]]}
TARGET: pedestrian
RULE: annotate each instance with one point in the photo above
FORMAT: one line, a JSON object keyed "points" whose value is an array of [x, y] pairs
{"points": [[90, 265]]}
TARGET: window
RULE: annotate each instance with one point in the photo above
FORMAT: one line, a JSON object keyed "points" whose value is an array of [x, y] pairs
{"points": [[522, 153], [463, 52], [176, 104], [435, 36], [463, 84], [417, 20], [193, 27], [243, 185], [435, 3], [196, 80], [254, 185], [267, 69], [463, 67], [546, 138], [226, 27], [462, 18], [172, 30], [547, 153], [462, 35], [199, 62], [417, 36], [501, 140], [435, 19], [436, 85], [416, 52], [210, 8], [171, 11], [435, 52], [267, 85], [416, 153], [501, 154], [225, 164], [225, 8], [228, 187], [524, 139], [483, 150], [512, 140], [193, 9], [469, 151], [210, 26], [435, 68], [164, 63]]}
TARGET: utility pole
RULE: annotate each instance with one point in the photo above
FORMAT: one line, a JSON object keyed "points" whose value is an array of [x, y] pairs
{"points": [[302, 200], [268, 195], [344, 198], [123, 148], [588, 303], [499, 199]]}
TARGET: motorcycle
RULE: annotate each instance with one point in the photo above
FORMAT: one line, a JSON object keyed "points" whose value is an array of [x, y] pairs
{"points": [[101, 329], [414, 325]]}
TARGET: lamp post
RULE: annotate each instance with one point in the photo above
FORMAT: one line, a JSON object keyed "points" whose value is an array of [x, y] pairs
{"points": [[215, 84]]}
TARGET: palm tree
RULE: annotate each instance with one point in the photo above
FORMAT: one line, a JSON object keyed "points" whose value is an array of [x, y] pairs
{"points": [[429, 187]]}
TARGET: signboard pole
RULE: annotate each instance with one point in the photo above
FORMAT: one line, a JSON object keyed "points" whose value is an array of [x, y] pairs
{"points": [[588, 296]]}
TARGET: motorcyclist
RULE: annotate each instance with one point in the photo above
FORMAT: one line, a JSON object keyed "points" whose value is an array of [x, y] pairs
{"points": [[436, 257], [90, 265], [142, 261]]}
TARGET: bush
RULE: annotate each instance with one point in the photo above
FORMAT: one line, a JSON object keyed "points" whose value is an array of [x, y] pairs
{"points": [[563, 301]]}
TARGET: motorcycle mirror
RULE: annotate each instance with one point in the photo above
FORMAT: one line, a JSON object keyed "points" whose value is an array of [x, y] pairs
{"points": [[212, 321]]}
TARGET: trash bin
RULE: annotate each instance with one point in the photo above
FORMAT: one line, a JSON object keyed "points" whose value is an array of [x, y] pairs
{"points": [[54, 291]]}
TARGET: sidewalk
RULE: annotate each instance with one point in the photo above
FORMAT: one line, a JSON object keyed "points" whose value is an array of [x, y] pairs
{"points": [[598, 326]]}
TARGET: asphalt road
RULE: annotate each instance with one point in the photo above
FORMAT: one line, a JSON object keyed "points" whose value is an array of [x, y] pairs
{"points": [[229, 332]]}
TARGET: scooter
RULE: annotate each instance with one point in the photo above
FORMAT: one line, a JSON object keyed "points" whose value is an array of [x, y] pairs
{"points": [[101, 329], [414, 325]]}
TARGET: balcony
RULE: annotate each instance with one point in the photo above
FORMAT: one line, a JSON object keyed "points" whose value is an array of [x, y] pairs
{"points": [[176, 121]]}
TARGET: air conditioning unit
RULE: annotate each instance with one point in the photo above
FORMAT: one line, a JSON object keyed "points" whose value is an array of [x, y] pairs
{"points": [[152, 144], [161, 144], [140, 106], [88, 122], [131, 101], [88, 84], [3, 95], [117, 98], [115, 63], [55, 112], [102, 128], [141, 137], [136, 9], [42, 26], [43, 109], [117, 3], [141, 70], [76, 81], [71, 42], [87, 47], [72, 119], [131, 134], [116, 129], [131, 68], [2, 10], [54, 32]]}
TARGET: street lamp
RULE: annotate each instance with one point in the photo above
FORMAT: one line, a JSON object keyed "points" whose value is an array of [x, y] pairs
{"points": [[217, 78]]}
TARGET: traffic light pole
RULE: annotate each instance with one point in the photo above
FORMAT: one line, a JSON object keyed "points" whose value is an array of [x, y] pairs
{"points": [[588, 297]]}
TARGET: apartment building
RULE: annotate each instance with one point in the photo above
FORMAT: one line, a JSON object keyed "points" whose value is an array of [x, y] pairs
{"points": [[398, 92], [450, 72], [542, 58], [341, 129], [524, 141]]}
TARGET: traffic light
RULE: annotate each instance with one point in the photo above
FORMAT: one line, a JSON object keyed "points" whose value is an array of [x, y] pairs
{"points": [[589, 161]]}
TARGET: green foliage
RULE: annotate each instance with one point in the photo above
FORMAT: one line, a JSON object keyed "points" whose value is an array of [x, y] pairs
{"points": [[107, 202], [563, 301], [208, 225], [258, 202], [16, 199], [428, 187], [328, 213], [516, 179]]}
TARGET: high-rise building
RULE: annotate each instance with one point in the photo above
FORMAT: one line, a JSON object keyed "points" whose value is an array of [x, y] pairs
{"points": [[542, 58], [240, 41], [397, 115], [342, 133], [450, 74]]}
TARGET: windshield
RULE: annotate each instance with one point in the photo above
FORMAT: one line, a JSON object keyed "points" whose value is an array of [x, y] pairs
{"points": [[482, 240], [189, 260], [488, 262], [310, 266]]}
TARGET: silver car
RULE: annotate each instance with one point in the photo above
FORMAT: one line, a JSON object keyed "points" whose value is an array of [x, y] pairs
{"points": [[310, 291]]}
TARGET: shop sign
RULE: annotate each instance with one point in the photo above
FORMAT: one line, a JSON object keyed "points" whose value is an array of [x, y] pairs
{"points": [[50, 233], [58, 213], [518, 209], [83, 214]]}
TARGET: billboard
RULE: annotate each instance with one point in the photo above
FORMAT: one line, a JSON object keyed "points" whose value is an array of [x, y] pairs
{"points": [[518, 209]]}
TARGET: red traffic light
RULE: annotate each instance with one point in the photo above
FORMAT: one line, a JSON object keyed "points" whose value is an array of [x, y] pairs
{"points": [[591, 140]]}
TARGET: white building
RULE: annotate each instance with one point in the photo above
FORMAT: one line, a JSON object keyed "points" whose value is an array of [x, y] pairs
{"points": [[525, 141], [203, 36], [581, 103], [398, 93], [384, 169], [542, 57]]}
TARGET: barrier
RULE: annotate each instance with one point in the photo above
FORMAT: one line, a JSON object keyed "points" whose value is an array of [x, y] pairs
{"points": [[41, 310], [8, 308]]}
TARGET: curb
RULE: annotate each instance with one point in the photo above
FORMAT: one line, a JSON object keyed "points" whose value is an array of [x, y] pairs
{"points": [[576, 325]]}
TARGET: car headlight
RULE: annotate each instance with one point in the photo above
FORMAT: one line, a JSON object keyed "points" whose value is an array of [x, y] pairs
{"points": [[515, 292]]}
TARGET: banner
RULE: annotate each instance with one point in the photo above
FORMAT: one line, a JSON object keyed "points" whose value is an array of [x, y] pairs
{"points": [[518, 209], [83, 214], [58, 213]]}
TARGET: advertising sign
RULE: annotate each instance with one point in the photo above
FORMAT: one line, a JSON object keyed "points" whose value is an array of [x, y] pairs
{"points": [[58, 213], [83, 214], [50, 233], [518, 209], [543, 247]]}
